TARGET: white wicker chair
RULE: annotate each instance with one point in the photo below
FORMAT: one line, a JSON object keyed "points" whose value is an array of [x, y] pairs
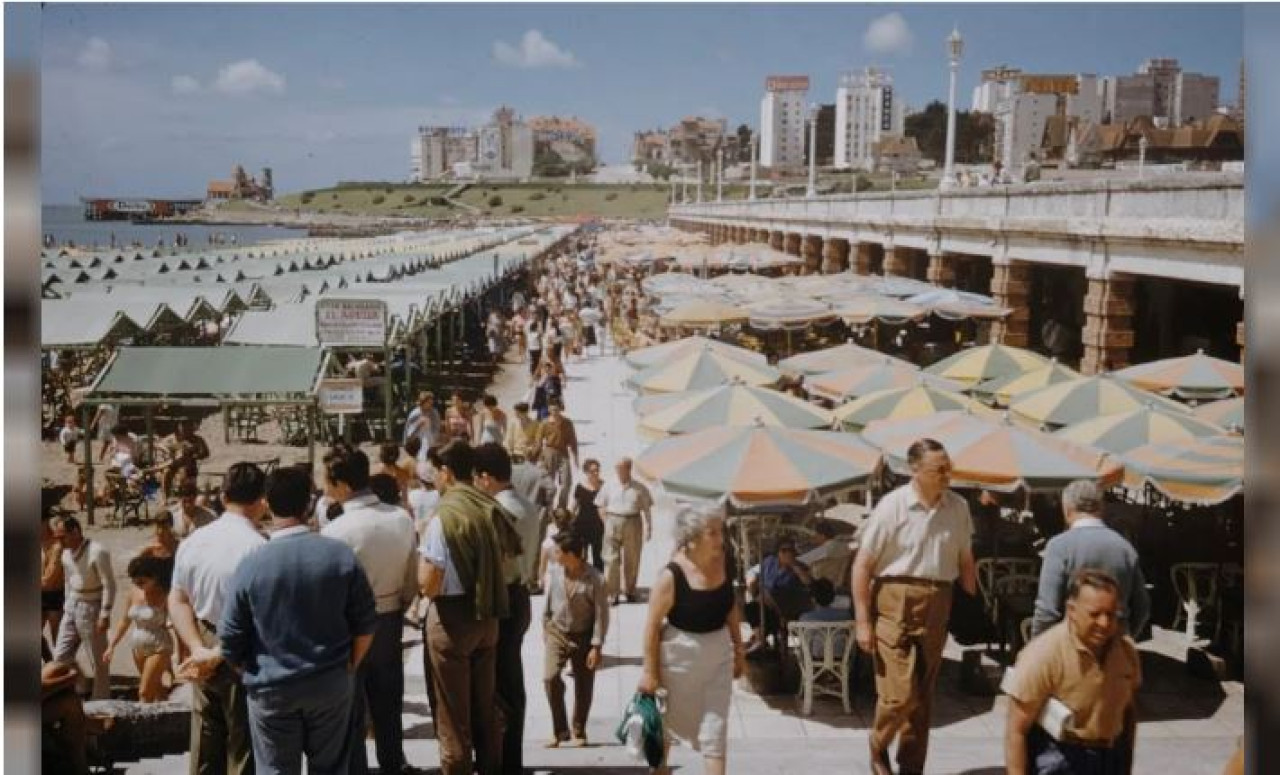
{"points": [[824, 660]]}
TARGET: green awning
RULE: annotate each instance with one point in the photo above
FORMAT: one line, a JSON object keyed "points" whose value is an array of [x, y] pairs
{"points": [[243, 373]]}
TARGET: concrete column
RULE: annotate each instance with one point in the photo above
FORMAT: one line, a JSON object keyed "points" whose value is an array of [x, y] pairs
{"points": [[896, 262], [740, 235], [792, 243], [862, 258], [942, 270], [1108, 329], [776, 239], [835, 255], [811, 250], [1010, 284], [763, 236]]}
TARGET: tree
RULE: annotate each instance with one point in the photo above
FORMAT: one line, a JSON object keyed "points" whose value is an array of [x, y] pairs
{"points": [[744, 142], [975, 134]]}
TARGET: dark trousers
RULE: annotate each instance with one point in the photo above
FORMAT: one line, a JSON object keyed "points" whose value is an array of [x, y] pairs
{"points": [[311, 717], [380, 691], [1051, 757], [463, 653], [220, 739], [510, 678]]}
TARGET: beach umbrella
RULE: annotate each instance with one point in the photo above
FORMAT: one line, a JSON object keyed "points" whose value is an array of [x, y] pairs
{"points": [[673, 283], [744, 283], [1196, 377], [1228, 413], [1202, 471], [995, 455], [728, 406], [1001, 390], [788, 314], [759, 466], [959, 305], [708, 368], [868, 377], [667, 351], [978, 364], [1085, 398], [859, 310], [698, 314], [1119, 433], [918, 400], [901, 287], [841, 356]]}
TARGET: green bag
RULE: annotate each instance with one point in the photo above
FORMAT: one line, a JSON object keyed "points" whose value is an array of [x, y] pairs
{"points": [[640, 729]]}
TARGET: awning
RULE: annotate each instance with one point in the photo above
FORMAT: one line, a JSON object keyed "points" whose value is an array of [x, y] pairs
{"points": [[235, 373]]}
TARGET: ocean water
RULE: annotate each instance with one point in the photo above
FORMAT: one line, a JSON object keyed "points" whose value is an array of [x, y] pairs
{"points": [[66, 223]]}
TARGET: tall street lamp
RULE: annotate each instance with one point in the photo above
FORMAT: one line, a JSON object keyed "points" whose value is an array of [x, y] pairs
{"points": [[699, 181], [720, 175], [812, 190], [955, 46], [755, 150]]}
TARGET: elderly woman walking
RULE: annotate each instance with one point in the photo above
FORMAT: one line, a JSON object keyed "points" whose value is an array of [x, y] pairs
{"points": [[693, 639]]}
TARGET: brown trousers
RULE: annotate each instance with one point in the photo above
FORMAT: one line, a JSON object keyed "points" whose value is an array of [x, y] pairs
{"points": [[623, 542], [463, 654], [571, 648], [910, 632]]}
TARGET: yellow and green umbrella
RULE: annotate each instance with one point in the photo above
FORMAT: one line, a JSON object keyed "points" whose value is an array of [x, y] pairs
{"points": [[1085, 398], [704, 314], [727, 406], [1002, 390], [699, 369], [1228, 413], [759, 466], [1119, 433], [863, 378], [919, 400], [1196, 377], [1202, 472], [980, 364], [995, 455], [841, 356], [662, 353]]}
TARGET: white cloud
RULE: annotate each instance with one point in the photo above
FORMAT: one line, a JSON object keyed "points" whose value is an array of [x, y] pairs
{"points": [[96, 55], [888, 34], [246, 77], [535, 50], [184, 84]]}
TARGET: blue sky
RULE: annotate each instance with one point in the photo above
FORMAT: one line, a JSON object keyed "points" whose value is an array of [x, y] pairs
{"points": [[157, 99]]}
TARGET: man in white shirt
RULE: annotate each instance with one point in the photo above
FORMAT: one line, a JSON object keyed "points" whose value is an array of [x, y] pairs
{"points": [[625, 505], [384, 542], [204, 563], [91, 589]]}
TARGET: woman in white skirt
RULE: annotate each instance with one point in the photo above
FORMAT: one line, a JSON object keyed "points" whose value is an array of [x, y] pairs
{"points": [[693, 639]]}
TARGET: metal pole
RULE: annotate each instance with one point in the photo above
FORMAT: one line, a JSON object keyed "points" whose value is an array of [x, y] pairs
{"points": [[755, 152], [955, 46], [699, 181], [88, 460], [720, 176], [386, 390], [812, 190]]}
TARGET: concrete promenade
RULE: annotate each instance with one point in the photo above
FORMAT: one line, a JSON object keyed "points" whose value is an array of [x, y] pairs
{"points": [[1188, 725]]}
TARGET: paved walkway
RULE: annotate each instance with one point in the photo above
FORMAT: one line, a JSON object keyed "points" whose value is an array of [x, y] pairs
{"points": [[1189, 725]]}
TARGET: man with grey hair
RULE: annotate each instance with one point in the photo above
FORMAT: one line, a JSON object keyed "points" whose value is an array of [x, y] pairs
{"points": [[628, 523], [1089, 543]]}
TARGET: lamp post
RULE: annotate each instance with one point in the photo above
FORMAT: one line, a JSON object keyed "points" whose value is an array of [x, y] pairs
{"points": [[684, 185], [1142, 155], [955, 46], [812, 190], [755, 150], [720, 176], [698, 182]]}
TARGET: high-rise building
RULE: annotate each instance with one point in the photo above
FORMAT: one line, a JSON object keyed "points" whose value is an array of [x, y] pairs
{"points": [[783, 121], [1162, 91], [502, 148], [1036, 111], [866, 110], [995, 86]]}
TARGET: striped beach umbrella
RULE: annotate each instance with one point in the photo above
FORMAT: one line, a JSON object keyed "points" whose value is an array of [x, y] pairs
{"points": [[695, 370], [1002, 390], [789, 314], [727, 406], [995, 455], [842, 356], [979, 364], [1085, 398], [860, 310], [1228, 413], [918, 400], [700, 314], [868, 377], [1202, 472], [1196, 377], [1119, 433], [667, 351], [759, 466]]}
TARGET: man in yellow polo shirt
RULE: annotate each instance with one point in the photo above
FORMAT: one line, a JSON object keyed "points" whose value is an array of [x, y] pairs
{"points": [[1089, 665]]}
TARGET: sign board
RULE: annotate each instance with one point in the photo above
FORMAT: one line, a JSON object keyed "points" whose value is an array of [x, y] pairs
{"points": [[787, 83], [341, 396], [131, 206], [1050, 84], [351, 322]]}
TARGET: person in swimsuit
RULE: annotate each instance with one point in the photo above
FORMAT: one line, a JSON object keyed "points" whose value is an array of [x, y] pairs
{"points": [[147, 622]]}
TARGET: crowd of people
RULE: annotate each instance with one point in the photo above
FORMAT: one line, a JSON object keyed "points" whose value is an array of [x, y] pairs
{"points": [[285, 603]]}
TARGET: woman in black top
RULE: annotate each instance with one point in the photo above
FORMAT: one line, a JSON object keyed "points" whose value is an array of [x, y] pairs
{"points": [[586, 515], [693, 638]]}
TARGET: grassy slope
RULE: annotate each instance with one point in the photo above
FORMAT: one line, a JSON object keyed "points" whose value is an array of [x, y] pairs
{"points": [[552, 199]]}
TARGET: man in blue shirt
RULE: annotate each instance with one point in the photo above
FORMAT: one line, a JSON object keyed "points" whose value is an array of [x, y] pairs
{"points": [[298, 619]]}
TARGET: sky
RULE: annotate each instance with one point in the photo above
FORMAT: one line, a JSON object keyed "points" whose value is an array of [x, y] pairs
{"points": [[157, 99]]}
